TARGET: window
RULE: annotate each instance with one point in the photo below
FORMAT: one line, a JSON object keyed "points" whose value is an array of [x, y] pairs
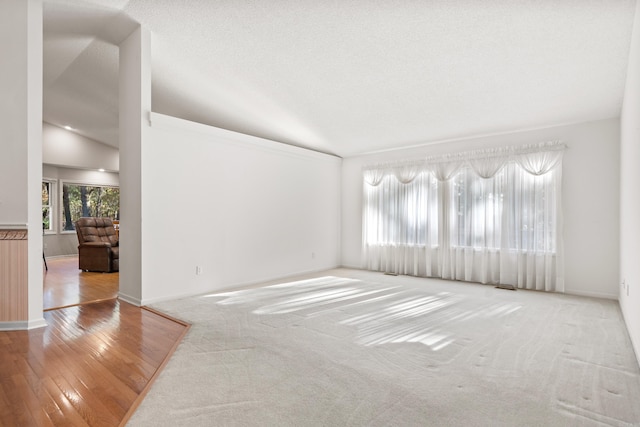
{"points": [[48, 187], [484, 216], [82, 200], [403, 214], [533, 212], [481, 211], [478, 206]]}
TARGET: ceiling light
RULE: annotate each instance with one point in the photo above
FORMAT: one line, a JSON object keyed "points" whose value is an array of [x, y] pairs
{"points": [[67, 127], [100, 170]]}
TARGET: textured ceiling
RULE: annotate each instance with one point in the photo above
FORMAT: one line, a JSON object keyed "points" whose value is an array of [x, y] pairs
{"points": [[344, 77]]}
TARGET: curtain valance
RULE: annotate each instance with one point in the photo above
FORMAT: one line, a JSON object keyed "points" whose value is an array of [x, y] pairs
{"points": [[536, 159]]}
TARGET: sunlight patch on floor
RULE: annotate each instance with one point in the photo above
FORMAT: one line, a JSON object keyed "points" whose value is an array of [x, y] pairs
{"points": [[382, 314]]}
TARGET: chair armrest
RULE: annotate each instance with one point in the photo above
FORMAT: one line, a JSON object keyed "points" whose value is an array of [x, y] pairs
{"points": [[96, 244]]}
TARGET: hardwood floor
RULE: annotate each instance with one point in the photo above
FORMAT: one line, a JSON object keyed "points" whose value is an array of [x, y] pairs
{"points": [[92, 364], [65, 284]]}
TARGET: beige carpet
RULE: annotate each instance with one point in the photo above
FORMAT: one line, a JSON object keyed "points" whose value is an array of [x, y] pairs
{"points": [[354, 348]]}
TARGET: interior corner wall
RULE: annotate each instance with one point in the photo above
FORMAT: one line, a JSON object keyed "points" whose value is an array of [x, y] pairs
{"points": [[34, 126], [134, 91], [242, 209], [630, 193], [590, 199]]}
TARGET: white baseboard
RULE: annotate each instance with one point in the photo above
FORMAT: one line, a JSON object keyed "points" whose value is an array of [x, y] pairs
{"points": [[131, 300], [38, 323], [353, 267], [590, 294], [232, 286], [23, 325], [61, 256]]}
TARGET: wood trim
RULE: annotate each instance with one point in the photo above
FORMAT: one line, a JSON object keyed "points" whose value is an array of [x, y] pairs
{"points": [[13, 234], [79, 303], [166, 316], [155, 375]]}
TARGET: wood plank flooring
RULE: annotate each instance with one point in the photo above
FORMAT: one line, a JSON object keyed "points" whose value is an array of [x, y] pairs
{"points": [[65, 284], [91, 366]]}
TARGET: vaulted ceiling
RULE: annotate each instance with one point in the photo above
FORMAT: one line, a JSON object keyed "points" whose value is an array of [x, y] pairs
{"points": [[344, 77]]}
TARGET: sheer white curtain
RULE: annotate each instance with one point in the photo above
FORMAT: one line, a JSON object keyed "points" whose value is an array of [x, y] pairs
{"points": [[400, 224], [489, 216]]}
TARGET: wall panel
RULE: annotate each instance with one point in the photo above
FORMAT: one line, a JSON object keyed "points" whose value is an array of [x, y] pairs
{"points": [[14, 301]]}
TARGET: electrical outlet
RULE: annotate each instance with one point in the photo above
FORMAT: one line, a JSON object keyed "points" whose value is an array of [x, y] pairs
{"points": [[198, 270], [627, 285], [313, 255], [45, 246]]}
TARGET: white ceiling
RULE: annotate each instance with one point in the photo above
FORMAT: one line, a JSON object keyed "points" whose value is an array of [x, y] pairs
{"points": [[344, 77]]}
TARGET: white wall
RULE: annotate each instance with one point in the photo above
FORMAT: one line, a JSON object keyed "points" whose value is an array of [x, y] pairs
{"points": [[13, 107], [590, 194], [630, 193], [61, 147], [21, 142], [242, 208], [34, 129], [80, 175], [57, 243], [134, 109]]}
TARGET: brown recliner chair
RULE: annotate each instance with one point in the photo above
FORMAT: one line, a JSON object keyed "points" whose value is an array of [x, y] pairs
{"points": [[98, 248]]}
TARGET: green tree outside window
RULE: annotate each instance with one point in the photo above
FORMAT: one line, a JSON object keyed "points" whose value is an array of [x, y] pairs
{"points": [[88, 201]]}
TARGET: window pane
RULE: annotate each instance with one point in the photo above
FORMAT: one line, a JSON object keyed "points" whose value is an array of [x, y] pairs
{"points": [[478, 205], [402, 214], [512, 210], [46, 218], [47, 224], [88, 201], [533, 212], [46, 188]]}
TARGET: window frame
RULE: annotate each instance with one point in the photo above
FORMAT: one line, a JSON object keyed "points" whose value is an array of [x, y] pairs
{"points": [[53, 197], [62, 183]]}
